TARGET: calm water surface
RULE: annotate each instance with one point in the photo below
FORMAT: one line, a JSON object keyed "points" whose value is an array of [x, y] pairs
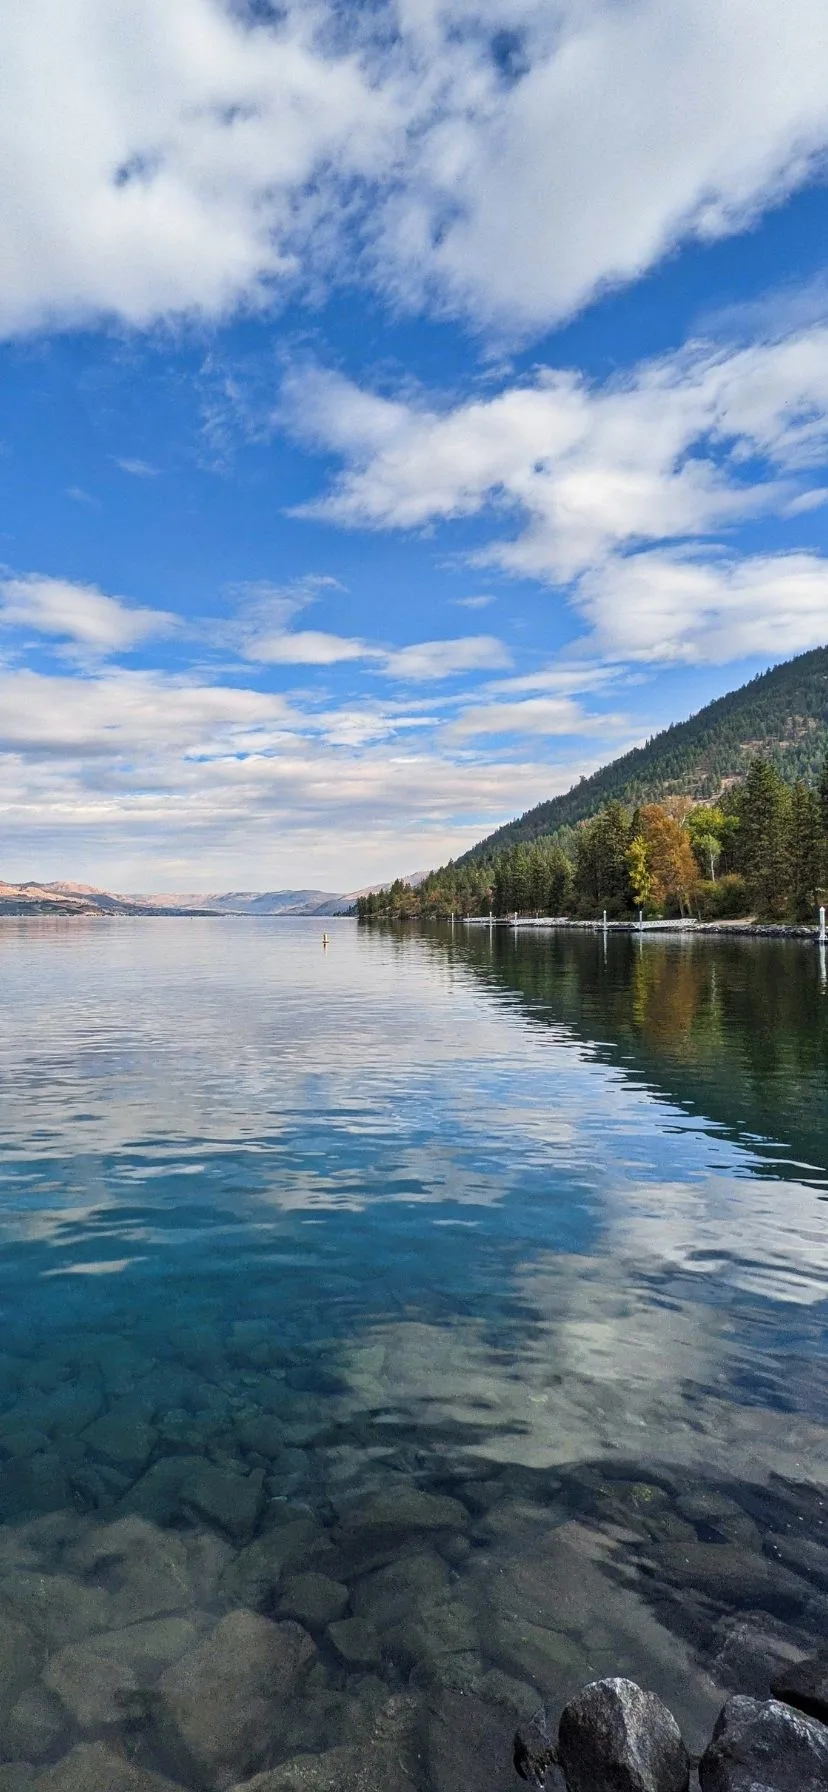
{"points": [[395, 1337]]}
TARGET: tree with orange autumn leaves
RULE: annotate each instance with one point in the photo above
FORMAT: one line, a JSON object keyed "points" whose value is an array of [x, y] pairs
{"points": [[670, 863]]}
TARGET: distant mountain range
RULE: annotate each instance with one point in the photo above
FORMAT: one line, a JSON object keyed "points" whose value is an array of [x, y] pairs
{"points": [[782, 714], [85, 899]]}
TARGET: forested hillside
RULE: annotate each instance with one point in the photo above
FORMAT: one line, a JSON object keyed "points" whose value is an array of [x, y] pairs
{"points": [[782, 715]]}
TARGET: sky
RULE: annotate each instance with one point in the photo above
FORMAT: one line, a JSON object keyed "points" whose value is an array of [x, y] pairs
{"points": [[406, 408]]}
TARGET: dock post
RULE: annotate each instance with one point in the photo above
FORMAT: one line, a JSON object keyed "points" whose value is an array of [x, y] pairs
{"points": [[822, 927], [605, 920]]}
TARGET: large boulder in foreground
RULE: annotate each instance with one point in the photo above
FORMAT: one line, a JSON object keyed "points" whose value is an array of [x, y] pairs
{"points": [[762, 1745], [614, 1737]]}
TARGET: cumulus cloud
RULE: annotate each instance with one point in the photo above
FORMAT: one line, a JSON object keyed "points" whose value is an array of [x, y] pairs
{"points": [[506, 162], [668, 608], [667, 450], [576, 479], [80, 614]]}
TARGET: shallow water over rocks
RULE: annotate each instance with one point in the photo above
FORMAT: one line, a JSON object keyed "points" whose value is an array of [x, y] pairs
{"points": [[396, 1337]]}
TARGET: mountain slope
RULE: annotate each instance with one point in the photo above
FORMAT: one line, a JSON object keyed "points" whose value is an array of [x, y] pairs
{"points": [[782, 713]]}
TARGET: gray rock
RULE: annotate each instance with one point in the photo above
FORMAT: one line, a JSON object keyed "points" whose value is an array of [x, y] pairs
{"points": [[17, 1776], [754, 1652], [616, 1737], [262, 1433], [535, 1753], [313, 1599], [36, 1725], [805, 1686], [224, 1707], [224, 1497], [20, 1658], [152, 1571], [405, 1508], [98, 1693], [252, 1579], [356, 1641], [765, 1746], [122, 1438], [92, 1767], [803, 1554], [382, 1756], [148, 1648], [730, 1575]]}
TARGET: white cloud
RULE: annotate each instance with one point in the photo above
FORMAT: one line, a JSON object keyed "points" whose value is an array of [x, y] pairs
{"points": [[78, 613], [151, 156], [630, 128], [663, 607], [532, 715], [442, 659], [161, 159], [146, 780], [668, 450], [576, 479], [475, 603], [306, 647]]}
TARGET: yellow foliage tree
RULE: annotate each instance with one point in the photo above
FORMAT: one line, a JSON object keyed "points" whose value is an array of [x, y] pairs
{"points": [[670, 856]]}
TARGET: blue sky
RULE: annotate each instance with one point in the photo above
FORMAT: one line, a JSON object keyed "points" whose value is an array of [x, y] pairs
{"points": [[406, 408]]}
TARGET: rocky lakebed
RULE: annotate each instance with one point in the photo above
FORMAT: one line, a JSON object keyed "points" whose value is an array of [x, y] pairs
{"points": [[215, 1574]]}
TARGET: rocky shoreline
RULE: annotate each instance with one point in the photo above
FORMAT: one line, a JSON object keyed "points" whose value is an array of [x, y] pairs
{"points": [[615, 1737], [768, 930]]}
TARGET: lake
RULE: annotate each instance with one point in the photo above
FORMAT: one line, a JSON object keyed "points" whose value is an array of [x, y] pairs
{"points": [[396, 1336]]}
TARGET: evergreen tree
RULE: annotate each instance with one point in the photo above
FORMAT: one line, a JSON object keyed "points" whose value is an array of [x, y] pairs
{"points": [[805, 851], [764, 802], [601, 870], [823, 797]]}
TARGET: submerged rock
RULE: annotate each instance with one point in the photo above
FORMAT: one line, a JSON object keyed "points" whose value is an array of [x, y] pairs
{"points": [[614, 1737], [805, 1686], [732, 1575], [20, 1657], [253, 1577], [224, 1707], [765, 1746], [98, 1693], [92, 1767], [122, 1438], [753, 1653], [36, 1725], [314, 1599], [223, 1496], [405, 1508]]}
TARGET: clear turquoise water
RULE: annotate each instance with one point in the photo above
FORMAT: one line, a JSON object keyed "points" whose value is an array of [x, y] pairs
{"points": [[300, 1245]]}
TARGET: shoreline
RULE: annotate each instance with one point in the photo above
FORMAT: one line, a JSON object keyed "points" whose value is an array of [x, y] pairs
{"points": [[793, 930]]}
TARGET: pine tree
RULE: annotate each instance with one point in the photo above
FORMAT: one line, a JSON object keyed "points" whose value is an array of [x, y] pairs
{"points": [[806, 851], [823, 798], [763, 838]]}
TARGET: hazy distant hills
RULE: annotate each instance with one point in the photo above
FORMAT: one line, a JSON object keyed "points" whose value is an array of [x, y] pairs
{"points": [[85, 899], [252, 902], [782, 713]]}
